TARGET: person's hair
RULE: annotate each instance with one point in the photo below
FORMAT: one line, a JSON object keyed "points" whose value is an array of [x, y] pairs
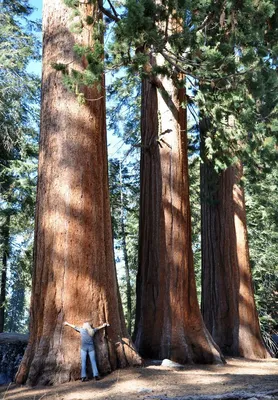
{"points": [[88, 328]]}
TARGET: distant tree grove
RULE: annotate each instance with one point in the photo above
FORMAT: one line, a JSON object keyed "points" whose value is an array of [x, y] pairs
{"points": [[184, 213]]}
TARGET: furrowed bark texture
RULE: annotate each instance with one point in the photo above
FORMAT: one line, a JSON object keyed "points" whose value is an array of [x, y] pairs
{"points": [[74, 274], [168, 320], [228, 304]]}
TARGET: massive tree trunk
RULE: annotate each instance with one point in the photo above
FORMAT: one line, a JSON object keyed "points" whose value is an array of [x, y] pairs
{"points": [[74, 274], [168, 320], [228, 304]]}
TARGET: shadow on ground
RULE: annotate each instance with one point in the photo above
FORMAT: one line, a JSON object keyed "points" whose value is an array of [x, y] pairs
{"points": [[155, 382]]}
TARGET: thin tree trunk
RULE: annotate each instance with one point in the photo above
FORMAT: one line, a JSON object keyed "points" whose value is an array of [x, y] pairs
{"points": [[168, 320], [5, 256], [127, 278], [126, 263], [74, 273], [228, 304]]}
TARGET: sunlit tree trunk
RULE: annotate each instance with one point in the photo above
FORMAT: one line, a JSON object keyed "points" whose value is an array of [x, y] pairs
{"points": [[74, 274], [168, 320], [228, 304]]}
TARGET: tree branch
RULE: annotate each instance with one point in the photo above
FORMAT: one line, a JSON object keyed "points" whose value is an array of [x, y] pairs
{"points": [[108, 13], [174, 62], [113, 9], [206, 22]]}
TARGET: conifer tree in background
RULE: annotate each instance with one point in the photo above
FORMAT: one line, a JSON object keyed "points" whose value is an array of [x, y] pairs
{"points": [[74, 274], [17, 235], [123, 117], [5, 236], [124, 198], [18, 96], [17, 313]]}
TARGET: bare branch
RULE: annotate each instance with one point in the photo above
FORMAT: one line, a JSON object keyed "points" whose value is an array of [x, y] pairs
{"points": [[113, 9], [108, 13], [206, 22], [99, 98]]}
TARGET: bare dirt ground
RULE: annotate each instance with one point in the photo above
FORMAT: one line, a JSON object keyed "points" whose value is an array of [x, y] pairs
{"points": [[238, 379]]}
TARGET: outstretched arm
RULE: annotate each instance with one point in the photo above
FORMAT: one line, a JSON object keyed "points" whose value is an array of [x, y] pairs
{"points": [[101, 326], [70, 325]]}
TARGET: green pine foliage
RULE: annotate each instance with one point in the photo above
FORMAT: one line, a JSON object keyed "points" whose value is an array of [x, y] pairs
{"points": [[123, 119], [225, 49], [123, 111], [194, 161], [73, 79], [124, 199], [18, 302]]}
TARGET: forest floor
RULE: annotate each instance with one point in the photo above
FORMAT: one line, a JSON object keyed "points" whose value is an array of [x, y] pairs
{"points": [[238, 379]]}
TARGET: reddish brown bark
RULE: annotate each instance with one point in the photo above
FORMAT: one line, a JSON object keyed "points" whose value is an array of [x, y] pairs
{"points": [[168, 320], [74, 274], [228, 304]]}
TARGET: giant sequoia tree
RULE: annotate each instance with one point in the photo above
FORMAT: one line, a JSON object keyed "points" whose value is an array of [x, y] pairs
{"points": [[228, 303], [74, 276], [168, 320]]}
